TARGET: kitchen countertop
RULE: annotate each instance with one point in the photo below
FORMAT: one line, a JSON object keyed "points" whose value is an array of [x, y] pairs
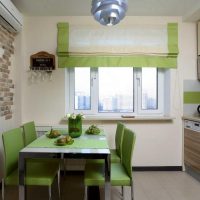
{"points": [[192, 117]]}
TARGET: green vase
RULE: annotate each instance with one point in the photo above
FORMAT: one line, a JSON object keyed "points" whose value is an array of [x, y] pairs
{"points": [[75, 127]]}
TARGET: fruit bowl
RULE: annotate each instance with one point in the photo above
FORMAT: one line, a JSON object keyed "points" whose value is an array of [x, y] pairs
{"points": [[93, 130], [65, 140], [53, 134]]}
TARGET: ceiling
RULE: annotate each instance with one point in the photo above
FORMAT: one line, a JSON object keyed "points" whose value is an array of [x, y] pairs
{"points": [[188, 9]]}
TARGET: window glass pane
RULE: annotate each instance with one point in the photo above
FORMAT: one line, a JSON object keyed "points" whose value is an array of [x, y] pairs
{"points": [[149, 89], [116, 89], [82, 88]]}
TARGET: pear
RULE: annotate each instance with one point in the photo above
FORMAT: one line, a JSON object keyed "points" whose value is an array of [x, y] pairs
{"points": [[68, 138], [61, 140], [54, 133]]}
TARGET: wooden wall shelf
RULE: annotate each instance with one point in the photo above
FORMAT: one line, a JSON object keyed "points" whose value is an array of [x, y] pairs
{"points": [[42, 61]]}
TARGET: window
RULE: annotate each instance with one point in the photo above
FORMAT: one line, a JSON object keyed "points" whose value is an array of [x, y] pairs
{"points": [[116, 90], [149, 89], [82, 100]]}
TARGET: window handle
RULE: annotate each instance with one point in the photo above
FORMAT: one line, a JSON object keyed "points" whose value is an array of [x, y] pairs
{"points": [[92, 81], [138, 81], [93, 78]]}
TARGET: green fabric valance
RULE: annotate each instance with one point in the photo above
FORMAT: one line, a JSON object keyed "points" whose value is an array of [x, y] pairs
{"points": [[78, 47]]}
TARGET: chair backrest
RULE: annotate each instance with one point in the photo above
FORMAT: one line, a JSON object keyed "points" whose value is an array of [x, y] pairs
{"points": [[29, 132], [118, 138], [127, 150], [13, 143]]}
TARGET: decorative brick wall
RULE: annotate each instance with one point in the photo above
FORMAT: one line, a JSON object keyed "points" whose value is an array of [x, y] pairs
{"points": [[6, 83]]}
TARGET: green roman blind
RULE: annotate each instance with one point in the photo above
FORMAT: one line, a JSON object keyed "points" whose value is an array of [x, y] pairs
{"points": [[63, 39], [138, 46]]}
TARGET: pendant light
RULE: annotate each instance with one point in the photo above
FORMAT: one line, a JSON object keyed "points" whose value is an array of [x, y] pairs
{"points": [[109, 12]]}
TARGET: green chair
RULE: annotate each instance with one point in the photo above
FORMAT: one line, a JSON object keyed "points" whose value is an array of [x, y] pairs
{"points": [[39, 174], [116, 154], [121, 173], [30, 134]]}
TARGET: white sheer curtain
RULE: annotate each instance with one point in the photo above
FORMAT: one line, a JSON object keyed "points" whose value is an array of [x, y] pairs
{"points": [[134, 40]]}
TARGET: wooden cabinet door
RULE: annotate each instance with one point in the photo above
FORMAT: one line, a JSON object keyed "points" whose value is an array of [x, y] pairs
{"points": [[192, 149]]}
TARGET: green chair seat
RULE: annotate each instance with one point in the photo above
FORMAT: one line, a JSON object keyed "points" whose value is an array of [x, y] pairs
{"points": [[94, 174], [114, 156], [93, 161], [36, 174], [119, 175]]}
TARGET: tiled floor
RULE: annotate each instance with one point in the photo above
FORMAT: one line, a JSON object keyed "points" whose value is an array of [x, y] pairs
{"points": [[166, 186], [148, 186]]}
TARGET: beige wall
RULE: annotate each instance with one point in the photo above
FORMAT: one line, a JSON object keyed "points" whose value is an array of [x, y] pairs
{"points": [[158, 143]]}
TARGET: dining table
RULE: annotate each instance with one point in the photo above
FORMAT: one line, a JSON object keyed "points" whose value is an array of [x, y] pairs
{"points": [[86, 146]]}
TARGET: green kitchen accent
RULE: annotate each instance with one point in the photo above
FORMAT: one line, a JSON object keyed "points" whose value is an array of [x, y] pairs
{"points": [[192, 97]]}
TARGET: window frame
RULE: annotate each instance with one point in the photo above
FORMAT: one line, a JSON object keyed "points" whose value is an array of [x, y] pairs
{"points": [[137, 98], [71, 104], [160, 94]]}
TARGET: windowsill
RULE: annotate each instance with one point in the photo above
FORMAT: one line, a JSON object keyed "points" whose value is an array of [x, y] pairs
{"points": [[116, 118]]}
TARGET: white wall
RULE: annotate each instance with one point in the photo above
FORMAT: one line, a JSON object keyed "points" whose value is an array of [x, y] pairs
{"points": [[158, 143]]}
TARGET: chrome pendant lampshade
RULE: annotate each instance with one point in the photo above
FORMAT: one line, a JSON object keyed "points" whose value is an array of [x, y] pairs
{"points": [[109, 12]]}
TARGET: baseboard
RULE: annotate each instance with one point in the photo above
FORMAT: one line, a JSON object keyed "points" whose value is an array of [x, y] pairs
{"points": [[158, 168], [138, 168]]}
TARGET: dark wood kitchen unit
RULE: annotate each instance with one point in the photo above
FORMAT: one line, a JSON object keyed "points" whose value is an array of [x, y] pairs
{"points": [[192, 147]]}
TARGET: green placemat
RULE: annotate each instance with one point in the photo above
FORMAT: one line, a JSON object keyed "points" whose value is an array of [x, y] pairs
{"points": [[65, 131], [80, 143]]}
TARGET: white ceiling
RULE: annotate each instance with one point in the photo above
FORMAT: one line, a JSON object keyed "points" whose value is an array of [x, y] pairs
{"points": [[188, 9]]}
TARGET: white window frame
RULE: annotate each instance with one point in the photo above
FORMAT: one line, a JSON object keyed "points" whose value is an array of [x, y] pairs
{"points": [[71, 84], [136, 94], [160, 94]]}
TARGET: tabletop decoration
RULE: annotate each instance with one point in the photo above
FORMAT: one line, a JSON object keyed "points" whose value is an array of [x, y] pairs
{"points": [[53, 134], [75, 124], [64, 140], [93, 130]]}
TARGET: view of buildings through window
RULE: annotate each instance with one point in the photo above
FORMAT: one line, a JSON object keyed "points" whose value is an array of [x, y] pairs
{"points": [[149, 88], [82, 88], [115, 89]]}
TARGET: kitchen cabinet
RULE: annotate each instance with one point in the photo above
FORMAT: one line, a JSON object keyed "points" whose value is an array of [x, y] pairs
{"points": [[192, 147]]}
